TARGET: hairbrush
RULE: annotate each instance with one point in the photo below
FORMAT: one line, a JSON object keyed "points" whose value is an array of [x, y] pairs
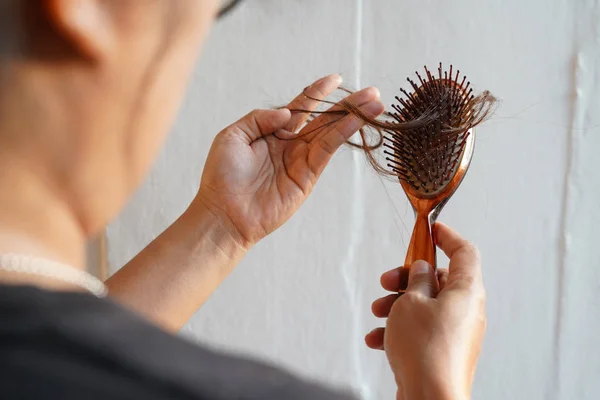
{"points": [[432, 159]]}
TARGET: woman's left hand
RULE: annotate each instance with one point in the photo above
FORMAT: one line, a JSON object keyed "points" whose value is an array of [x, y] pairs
{"points": [[254, 182]]}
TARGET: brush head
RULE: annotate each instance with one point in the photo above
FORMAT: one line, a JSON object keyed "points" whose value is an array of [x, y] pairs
{"points": [[443, 109]]}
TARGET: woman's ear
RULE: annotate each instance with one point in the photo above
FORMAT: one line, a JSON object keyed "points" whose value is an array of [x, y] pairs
{"points": [[85, 24]]}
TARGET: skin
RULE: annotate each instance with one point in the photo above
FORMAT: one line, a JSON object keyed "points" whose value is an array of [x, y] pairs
{"points": [[84, 109], [88, 91]]}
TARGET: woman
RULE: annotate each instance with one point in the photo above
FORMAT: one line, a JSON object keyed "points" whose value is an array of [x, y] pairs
{"points": [[88, 90]]}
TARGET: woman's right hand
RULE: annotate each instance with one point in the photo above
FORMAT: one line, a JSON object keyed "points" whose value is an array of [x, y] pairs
{"points": [[432, 338]]}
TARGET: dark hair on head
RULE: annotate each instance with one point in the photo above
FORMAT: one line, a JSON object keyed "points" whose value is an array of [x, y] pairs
{"points": [[228, 8]]}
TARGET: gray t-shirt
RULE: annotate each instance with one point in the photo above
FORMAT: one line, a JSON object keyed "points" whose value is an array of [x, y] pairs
{"points": [[76, 346]]}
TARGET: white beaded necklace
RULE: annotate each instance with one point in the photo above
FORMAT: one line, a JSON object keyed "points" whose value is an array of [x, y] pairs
{"points": [[51, 269]]}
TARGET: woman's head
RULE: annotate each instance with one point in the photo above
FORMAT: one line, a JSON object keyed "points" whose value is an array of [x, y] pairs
{"points": [[89, 88]]}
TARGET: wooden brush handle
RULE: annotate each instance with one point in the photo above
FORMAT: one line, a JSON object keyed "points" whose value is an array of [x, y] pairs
{"points": [[422, 246]]}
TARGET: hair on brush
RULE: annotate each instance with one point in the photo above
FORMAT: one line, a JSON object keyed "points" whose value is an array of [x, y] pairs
{"points": [[424, 134]]}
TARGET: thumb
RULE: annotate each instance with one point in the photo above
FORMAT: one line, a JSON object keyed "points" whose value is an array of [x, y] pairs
{"points": [[261, 123], [422, 280]]}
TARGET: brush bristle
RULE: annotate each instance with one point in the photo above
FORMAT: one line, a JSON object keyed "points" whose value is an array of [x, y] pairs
{"points": [[427, 157]]}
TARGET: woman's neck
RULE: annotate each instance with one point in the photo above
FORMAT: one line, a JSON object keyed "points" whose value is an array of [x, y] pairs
{"points": [[35, 220]]}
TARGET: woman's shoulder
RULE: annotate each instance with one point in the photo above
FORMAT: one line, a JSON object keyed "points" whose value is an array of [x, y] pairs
{"points": [[73, 344]]}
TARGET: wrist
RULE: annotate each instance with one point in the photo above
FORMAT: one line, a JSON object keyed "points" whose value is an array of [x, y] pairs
{"points": [[431, 388], [216, 229]]}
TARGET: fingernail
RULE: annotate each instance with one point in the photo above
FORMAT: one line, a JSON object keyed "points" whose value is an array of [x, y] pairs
{"points": [[362, 97], [337, 79], [420, 267], [376, 91], [373, 108], [372, 92], [394, 273], [333, 77]]}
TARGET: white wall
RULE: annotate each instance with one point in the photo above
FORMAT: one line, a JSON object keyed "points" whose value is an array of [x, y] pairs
{"points": [[302, 297]]}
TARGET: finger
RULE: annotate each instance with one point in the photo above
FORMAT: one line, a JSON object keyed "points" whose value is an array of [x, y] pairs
{"points": [[326, 144], [442, 277], [306, 100], [374, 339], [395, 280], [260, 123], [422, 280], [326, 120], [382, 306], [464, 269]]}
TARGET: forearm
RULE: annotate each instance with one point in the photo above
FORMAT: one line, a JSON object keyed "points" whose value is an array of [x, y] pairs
{"points": [[430, 394], [427, 388], [176, 273]]}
